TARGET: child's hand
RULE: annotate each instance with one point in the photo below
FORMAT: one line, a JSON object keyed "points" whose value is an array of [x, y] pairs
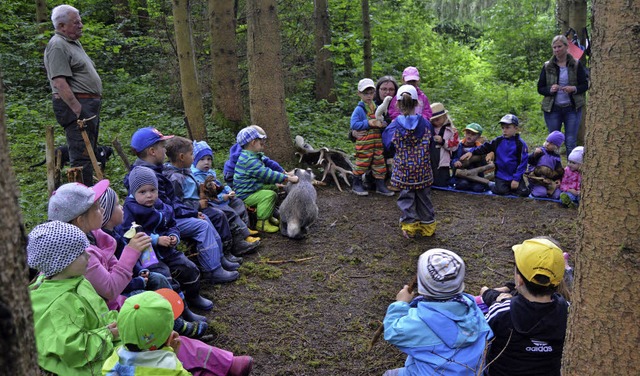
{"points": [[503, 296], [358, 134], [466, 156], [232, 194], [164, 241], [573, 192], [292, 178], [140, 242], [113, 328], [538, 151], [144, 274], [437, 139], [457, 164], [201, 216], [404, 295], [490, 157], [225, 197], [514, 185], [173, 240], [374, 123], [174, 341]]}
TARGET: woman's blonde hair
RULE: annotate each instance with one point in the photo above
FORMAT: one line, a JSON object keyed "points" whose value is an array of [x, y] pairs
{"points": [[560, 38]]}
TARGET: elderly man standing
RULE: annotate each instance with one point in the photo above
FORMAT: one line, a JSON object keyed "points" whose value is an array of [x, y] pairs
{"points": [[77, 88]]}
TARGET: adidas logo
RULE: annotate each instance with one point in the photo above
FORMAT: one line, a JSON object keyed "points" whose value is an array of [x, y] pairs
{"points": [[539, 346]]}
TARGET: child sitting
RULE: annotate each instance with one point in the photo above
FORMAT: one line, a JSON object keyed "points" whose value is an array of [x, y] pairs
{"points": [[224, 198], [369, 149], [251, 176], [445, 142], [156, 218], [546, 167], [149, 145], [411, 135], [235, 151], [441, 330], [469, 174], [75, 330], [572, 178], [530, 328], [511, 155], [187, 188]]}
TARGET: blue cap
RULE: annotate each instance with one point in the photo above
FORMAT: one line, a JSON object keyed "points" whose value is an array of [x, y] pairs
{"points": [[200, 150], [247, 135], [510, 119], [145, 137]]}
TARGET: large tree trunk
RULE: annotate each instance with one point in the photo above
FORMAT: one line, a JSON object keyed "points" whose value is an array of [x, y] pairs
{"points": [[266, 82], [603, 331], [42, 19], [227, 100], [366, 33], [191, 95], [324, 66], [18, 355]]}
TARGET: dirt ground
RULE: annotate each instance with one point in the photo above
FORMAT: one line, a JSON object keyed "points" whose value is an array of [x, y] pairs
{"points": [[318, 315]]}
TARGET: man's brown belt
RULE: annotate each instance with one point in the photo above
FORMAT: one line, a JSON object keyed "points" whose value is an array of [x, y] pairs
{"points": [[80, 96]]}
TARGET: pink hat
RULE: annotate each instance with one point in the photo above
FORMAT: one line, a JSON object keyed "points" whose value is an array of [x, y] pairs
{"points": [[410, 74]]}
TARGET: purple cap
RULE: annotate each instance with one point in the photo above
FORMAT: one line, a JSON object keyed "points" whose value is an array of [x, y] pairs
{"points": [[145, 137], [556, 138], [410, 74]]}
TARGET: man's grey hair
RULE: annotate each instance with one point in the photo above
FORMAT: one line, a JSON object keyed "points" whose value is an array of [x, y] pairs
{"points": [[60, 14]]}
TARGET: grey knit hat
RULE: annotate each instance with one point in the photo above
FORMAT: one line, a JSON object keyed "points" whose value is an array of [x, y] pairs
{"points": [[108, 201], [54, 245], [440, 274], [73, 199], [139, 176]]}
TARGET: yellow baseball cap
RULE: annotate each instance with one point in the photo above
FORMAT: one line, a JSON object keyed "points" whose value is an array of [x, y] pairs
{"points": [[539, 257]]}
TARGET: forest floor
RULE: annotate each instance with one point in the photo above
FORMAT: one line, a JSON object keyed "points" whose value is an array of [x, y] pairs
{"points": [[318, 315]]}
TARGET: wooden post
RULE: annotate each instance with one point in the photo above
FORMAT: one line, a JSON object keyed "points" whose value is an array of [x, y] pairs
{"points": [[52, 181]]}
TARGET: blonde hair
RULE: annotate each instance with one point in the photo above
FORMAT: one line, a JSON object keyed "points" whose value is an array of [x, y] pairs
{"points": [[560, 38]]}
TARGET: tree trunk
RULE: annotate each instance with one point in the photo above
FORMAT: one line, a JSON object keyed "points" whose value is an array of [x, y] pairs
{"points": [[42, 18], [324, 66], [366, 33], [191, 95], [603, 331], [122, 15], [18, 355], [227, 99], [266, 82]]}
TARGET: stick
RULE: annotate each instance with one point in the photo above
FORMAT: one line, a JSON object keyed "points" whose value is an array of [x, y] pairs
{"points": [[378, 333], [121, 154], [87, 143], [497, 272], [276, 262]]}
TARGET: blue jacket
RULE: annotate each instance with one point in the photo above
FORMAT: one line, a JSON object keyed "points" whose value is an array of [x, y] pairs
{"points": [[166, 192], [156, 221], [443, 338], [201, 176], [511, 156], [184, 183], [234, 153], [359, 119]]}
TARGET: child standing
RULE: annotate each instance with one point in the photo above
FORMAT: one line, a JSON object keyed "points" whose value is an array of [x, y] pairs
{"points": [[252, 176], [75, 331], [445, 142], [469, 175], [511, 155], [442, 330], [530, 328], [411, 136], [369, 149], [226, 200], [411, 76], [231, 229], [546, 167], [572, 178]]}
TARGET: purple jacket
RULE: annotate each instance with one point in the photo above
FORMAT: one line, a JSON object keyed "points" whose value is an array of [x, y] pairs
{"points": [[424, 107], [234, 154]]}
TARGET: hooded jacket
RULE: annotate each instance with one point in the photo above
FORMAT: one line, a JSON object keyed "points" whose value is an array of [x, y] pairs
{"points": [[161, 362], [156, 221], [511, 156], [440, 338], [234, 154], [530, 336], [70, 322]]}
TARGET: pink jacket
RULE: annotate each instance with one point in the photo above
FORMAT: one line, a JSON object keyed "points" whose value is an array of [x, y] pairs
{"points": [[109, 275], [424, 107], [570, 180], [451, 142]]}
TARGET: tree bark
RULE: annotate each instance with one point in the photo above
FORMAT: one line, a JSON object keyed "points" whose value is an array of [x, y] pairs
{"points": [[42, 18], [603, 331], [266, 82], [324, 66], [191, 95], [18, 355], [227, 99], [366, 33]]}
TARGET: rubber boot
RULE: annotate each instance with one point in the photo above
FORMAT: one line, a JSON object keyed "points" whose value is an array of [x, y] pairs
{"points": [[381, 189], [264, 226], [358, 189]]}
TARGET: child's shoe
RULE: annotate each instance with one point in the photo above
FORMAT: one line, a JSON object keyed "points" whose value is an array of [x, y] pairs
{"points": [[382, 189], [240, 366], [358, 189], [408, 230], [194, 329], [274, 221], [252, 239], [243, 247], [230, 257], [189, 315], [228, 265], [220, 275], [427, 229], [567, 201], [253, 232], [200, 302], [264, 226]]}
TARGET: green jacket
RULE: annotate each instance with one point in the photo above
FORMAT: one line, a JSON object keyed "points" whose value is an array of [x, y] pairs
{"points": [[70, 322], [578, 77]]}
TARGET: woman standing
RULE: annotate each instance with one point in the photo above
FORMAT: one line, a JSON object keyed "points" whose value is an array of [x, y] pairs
{"points": [[563, 82]]}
